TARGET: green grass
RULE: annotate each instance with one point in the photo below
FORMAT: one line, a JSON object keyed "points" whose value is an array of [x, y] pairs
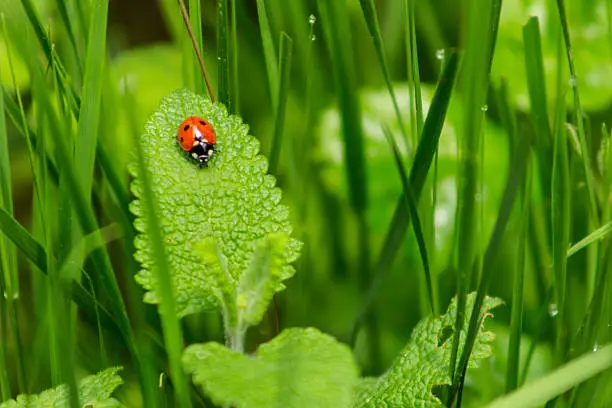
{"points": [[500, 155]]}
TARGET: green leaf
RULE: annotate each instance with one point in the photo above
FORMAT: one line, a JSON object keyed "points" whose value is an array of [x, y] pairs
{"points": [[262, 279], [298, 368], [94, 391], [423, 363], [233, 202]]}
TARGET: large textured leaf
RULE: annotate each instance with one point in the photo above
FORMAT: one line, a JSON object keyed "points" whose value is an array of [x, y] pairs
{"points": [[424, 362], [233, 202], [94, 391], [299, 368]]}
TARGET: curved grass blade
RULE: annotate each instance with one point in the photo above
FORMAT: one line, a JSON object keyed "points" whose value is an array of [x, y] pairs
{"points": [[411, 203], [427, 147]]}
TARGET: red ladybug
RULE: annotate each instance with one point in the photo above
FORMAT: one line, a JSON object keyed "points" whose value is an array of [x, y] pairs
{"points": [[197, 137]]}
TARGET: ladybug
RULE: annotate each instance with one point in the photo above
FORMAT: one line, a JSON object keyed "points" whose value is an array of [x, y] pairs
{"points": [[197, 137]]}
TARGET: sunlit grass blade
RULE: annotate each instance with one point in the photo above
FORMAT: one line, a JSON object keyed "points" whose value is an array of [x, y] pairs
{"points": [[173, 335], [284, 68], [269, 53], [566, 377], [411, 203], [223, 61], [426, 150], [369, 12], [585, 150], [516, 179]]}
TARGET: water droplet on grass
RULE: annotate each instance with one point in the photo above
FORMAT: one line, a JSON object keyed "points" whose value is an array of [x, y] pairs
{"points": [[312, 19], [553, 310]]}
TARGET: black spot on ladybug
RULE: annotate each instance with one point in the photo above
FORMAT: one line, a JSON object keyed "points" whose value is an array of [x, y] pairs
{"points": [[181, 140], [186, 128], [203, 123]]}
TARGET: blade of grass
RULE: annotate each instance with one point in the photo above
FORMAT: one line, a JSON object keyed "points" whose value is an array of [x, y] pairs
{"points": [[416, 103], [508, 120], [196, 49], [8, 260], [516, 312], [369, 12], [411, 204], [234, 59], [426, 149], [564, 378], [284, 68], [578, 114], [173, 336], [89, 114], [560, 222], [67, 22], [517, 173], [37, 254], [5, 385], [475, 80], [336, 28], [195, 18], [269, 53], [85, 215], [597, 235], [536, 85], [223, 67]]}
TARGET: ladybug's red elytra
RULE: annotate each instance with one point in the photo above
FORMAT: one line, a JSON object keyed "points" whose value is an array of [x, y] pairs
{"points": [[197, 137]]}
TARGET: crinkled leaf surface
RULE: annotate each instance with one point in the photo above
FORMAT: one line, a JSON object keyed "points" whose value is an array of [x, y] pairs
{"points": [[94, 391], [298, 368], [233, 201], [424, 362]]}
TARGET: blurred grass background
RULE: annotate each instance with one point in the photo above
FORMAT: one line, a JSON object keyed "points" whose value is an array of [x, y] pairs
{"points": [[80, 77]]}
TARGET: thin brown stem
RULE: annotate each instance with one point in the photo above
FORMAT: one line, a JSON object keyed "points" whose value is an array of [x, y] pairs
{"points": [[197, 49]]}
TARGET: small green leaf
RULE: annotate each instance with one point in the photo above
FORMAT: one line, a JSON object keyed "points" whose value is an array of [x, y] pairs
{"points": [[262, 279], [94, 391], [423, 363], [298, 368], [233, 202], [224, 287]]}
